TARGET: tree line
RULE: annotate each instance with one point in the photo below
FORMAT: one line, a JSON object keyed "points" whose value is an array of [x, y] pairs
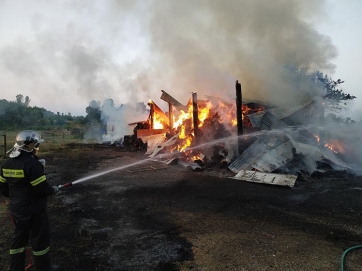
{"points": [[18, 114]]}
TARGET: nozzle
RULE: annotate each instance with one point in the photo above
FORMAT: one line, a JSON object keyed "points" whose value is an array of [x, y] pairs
{"points": [[65, 185]]}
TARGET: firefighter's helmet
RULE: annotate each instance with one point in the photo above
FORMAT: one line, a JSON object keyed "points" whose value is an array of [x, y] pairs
{"points": [[26, 140], [27, 137]]}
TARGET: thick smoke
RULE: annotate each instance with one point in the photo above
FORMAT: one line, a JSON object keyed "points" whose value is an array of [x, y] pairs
{"points": [[206, 45], [130, 50]]}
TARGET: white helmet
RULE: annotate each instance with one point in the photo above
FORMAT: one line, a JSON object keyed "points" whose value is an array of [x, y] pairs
{"points": [[26, 140]]}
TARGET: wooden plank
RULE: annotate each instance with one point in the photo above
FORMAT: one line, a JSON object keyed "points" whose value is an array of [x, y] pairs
{"points": [[160, 113], [148, 132], [168, 98], [133, 123]]}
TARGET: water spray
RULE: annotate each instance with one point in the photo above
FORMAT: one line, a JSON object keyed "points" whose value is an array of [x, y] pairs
{"points": [[101, 173], [169, 155]]}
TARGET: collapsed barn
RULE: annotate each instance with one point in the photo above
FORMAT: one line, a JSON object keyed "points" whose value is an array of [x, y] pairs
{"points": [[256, 141]]}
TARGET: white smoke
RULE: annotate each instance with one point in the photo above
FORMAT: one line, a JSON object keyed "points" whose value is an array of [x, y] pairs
{"points": [[78, 51], [117, 119]]}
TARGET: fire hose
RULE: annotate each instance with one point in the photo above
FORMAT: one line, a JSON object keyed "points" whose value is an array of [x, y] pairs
{"points": [[345, 253]]}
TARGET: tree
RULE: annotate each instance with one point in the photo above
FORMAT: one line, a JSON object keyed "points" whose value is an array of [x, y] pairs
{"points": [[27, 101], [19, 98], [316, 84], [333, 94], [93, 112]]}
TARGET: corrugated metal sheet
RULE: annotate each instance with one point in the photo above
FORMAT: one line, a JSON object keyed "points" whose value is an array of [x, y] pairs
{"points": [[266, 120], [256, 150], [275, 158], [266, 178], [286, 111], [255, 118], [270, 122]]}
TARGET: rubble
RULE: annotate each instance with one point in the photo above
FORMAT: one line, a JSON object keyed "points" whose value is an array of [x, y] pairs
{"points": [[274, 144]]}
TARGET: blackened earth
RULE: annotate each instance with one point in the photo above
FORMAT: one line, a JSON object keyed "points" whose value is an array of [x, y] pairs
{"points": [[154, 216]]}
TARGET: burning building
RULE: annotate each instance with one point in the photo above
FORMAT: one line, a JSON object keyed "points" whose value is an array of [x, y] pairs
{"points": [[257, 141]]}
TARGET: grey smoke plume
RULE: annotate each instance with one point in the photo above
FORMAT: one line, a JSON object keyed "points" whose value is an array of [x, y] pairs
{"points": [[206, 45], [130, 50]]}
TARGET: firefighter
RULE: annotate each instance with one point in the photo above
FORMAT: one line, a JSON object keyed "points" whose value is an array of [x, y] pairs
{"points": [[22, 179]]}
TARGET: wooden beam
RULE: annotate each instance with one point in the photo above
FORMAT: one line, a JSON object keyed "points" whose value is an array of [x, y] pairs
{"points": [[148, 132], [137, 122], [168, 98], [159, 112]]}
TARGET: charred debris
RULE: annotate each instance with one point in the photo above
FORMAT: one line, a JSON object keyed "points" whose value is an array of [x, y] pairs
{"points": [[256, 141]]}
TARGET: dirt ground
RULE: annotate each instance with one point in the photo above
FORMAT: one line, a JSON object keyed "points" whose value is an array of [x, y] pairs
{"points": [[154, 216]]}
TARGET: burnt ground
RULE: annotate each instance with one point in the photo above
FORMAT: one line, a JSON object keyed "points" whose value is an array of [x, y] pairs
{"points": [[154, 216]]}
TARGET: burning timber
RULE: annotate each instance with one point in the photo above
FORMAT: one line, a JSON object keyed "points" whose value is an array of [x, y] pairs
{"points": [[257, 142]]}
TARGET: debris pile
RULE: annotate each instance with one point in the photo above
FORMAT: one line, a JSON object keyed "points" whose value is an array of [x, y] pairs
{"points": [[258, 142]]}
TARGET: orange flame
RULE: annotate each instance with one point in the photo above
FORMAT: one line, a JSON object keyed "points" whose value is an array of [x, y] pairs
{"points": [[157, 121], [337, 146], [225, 114], [317, 138]]}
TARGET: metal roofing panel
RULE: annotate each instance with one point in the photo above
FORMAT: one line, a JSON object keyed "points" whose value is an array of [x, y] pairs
{"points": [[286, 111], [275, 158], [270, 122], [255, 151], [265, 120], [266, 178]]}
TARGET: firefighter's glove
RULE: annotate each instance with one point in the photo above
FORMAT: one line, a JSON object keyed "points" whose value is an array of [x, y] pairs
{"points": [[56, 189]]}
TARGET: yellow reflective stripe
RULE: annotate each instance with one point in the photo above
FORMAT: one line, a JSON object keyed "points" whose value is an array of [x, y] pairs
{"points": [[42, 252], [38, 181], [17, 250], [13, 173], [2, 180]]}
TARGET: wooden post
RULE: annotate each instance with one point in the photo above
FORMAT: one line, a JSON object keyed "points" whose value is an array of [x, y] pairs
{"points": [[239, 115], [152, 110], [195, 117]]}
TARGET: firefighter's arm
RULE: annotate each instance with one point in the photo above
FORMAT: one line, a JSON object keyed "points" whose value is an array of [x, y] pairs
{"points": [[39, 181], [42, 187]]}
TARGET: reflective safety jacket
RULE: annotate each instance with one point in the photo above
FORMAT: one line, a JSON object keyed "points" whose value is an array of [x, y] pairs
{"points": [[22, 179]]}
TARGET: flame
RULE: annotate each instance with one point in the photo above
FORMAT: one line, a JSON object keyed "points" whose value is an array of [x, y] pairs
{"points": [[221, 112], [335, 145], [204, 113], [185, 144], [181, 118], [327, 145], [317, 138], [157, 121]]}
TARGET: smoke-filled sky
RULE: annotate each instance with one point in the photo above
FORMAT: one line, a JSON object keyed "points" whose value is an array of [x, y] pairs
{"points": [[64, 54]]}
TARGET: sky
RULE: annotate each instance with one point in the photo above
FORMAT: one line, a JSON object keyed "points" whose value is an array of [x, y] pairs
{"points": [[64, 54]]}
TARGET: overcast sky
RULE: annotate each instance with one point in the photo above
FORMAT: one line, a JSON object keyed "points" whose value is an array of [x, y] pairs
{"points": [[63, 54]]}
